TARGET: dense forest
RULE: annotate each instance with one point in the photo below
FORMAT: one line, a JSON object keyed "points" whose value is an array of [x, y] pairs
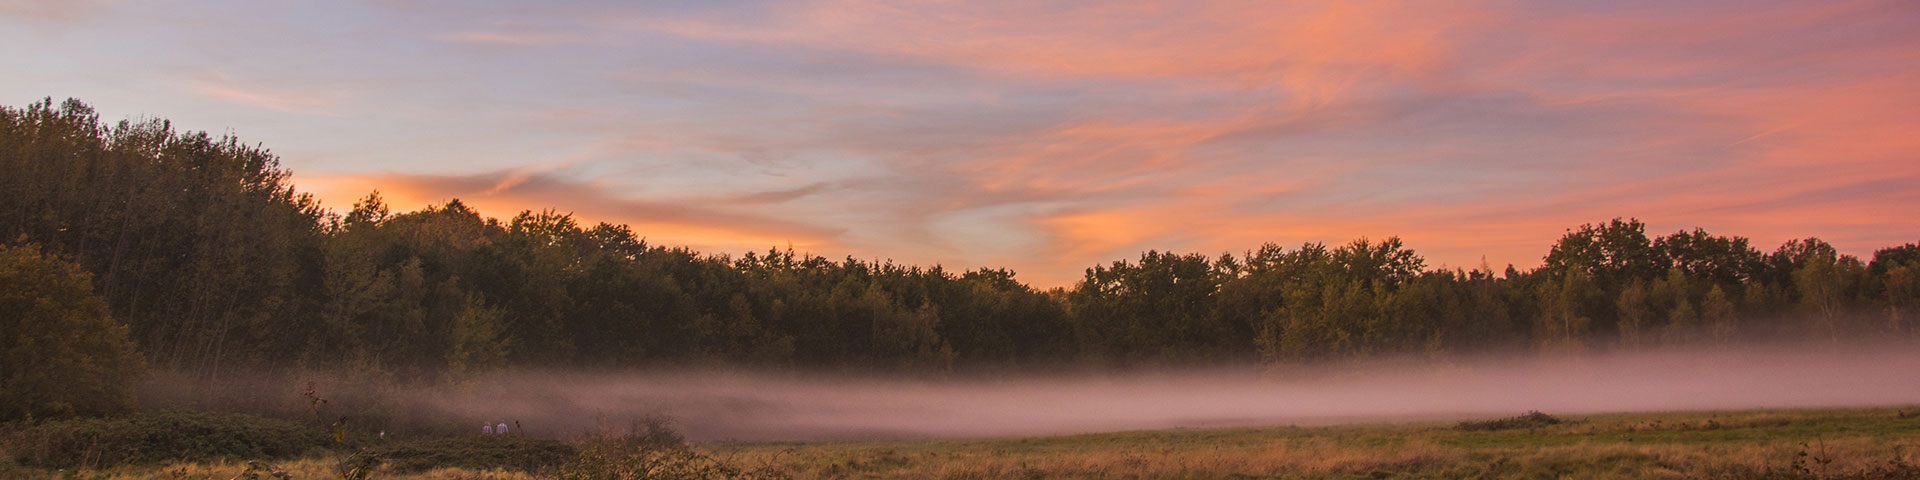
{"points": [[201, 248]]}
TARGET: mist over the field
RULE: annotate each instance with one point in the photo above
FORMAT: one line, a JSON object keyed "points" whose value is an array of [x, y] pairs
{"points": [[737, 406]]}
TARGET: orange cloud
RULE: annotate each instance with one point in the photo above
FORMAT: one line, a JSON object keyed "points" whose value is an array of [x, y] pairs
{"points": [[699, 223]]}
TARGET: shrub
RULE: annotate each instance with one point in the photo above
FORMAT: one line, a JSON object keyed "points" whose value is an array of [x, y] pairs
{"points": [[649, 450], [510, 452], [160, 437], [60, 353], [1531, 419]]}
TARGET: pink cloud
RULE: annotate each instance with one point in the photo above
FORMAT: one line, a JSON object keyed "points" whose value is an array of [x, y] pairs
{"points": [[1314, 51], [1468, 129]]}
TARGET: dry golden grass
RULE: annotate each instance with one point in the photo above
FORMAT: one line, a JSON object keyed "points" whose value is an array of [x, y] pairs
{"points": [[1677, 445], [1622, 446]]}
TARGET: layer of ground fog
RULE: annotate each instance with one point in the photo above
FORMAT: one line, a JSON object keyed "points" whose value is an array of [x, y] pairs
{"points": [[1851, 443]]}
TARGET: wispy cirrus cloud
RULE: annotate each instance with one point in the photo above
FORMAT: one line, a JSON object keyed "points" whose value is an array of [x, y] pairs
{"points": [[509, 38], [225, 88]]}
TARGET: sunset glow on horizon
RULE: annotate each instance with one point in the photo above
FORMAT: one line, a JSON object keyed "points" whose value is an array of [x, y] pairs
{"points": [[1043, 136]]}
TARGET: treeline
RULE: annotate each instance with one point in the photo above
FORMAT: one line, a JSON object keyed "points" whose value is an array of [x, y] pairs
{"points": [[1605, 286], [201, 246], [204, 250]]}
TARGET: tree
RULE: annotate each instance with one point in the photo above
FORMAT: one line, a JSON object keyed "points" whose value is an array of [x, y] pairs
{"points": [[1634, 313], [1718, 313], [1903, 296], [1674, 294], [1897, 270], [991, 319], [1610, 256], [476, 341], [1161, 309], [1722, 260], [1490, 314], [61, 353], [199, 244], [1388, 263], [1681, 323], [1824, 279], [1564, 320], [1886, 258]]}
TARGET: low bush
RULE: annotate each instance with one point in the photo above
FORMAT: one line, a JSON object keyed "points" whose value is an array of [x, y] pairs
{"points": [[649, 450], [1531, 419], [156, 438], [509, 452]]}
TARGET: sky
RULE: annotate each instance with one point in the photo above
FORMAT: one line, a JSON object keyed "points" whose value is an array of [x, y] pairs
{"points": [[1039, 135]]}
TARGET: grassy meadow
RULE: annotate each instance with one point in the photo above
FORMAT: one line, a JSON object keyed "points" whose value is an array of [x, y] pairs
{"points": [[1856, 443], [1842, 443]]}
